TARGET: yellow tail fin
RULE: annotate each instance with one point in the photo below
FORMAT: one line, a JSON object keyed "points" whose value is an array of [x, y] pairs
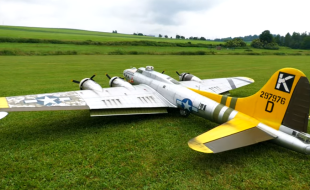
{"points": [[285, 99]]}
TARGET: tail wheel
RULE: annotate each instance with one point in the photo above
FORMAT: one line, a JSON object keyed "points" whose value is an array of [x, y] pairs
{"points": [[184, 113]]}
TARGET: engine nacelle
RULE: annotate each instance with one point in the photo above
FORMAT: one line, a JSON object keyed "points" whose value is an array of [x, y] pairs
{"points": [[88, 84], [188, 77], [118, 82]]}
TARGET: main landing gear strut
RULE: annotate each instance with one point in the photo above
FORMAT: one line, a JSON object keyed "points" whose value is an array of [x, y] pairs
{"points": [[184, 113]]}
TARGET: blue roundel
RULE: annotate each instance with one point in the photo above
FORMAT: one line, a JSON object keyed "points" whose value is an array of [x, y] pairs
{"points": [[187, 104]]}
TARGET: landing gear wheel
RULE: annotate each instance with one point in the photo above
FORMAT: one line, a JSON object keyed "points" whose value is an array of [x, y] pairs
{"points": [[184, 113]]}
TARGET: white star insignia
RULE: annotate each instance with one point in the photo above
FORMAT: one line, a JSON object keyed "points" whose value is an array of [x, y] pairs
{"points": [[47, 100], [186, 105]]}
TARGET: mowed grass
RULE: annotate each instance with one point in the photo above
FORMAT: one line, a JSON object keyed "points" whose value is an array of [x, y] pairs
{"points": [[82, 35], [70, 150]]}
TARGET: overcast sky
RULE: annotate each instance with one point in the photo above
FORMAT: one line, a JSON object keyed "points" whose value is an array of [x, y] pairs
{"points": [[207, 18]]}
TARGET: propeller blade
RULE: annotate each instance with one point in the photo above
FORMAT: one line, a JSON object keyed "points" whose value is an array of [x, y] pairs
{"points": [[108, 76], [75, 81], [178, 73], [162, 72], [91, 78]]}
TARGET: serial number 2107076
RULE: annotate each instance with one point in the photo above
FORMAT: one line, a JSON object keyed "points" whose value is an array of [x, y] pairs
{"points": [[272, 97]]}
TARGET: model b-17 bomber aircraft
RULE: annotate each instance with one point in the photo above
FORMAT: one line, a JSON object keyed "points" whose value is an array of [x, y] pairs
{"points": [[278, 112]]}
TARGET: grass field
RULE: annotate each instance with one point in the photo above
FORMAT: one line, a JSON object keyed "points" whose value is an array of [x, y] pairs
{"points": [[72, 35], [81, 35], [70, 150], [58, 49]]}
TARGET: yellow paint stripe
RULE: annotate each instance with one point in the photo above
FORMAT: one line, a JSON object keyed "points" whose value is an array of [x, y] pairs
{"points": [[3, 103], [228, 101], [210, 95]]}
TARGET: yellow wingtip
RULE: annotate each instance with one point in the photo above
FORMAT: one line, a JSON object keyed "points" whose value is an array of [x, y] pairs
{"points": [[198, 146], [3, 103]]}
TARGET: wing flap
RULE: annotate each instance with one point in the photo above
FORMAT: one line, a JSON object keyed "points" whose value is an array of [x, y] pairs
{"points": [[238, 132], [126, 111]]}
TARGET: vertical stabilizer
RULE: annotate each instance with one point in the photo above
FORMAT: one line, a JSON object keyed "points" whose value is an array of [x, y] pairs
{"points": [[285, 99]]}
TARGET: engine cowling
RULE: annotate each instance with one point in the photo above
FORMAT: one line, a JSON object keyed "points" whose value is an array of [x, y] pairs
{"points": [[89, 84], [188, 77], [118, 82]]}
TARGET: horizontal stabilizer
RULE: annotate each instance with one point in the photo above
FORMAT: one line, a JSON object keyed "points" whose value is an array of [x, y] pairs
{"points": [[218, 85], [238, 132]]}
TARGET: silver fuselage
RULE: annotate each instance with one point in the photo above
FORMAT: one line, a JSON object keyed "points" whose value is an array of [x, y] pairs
{"points": [[186, 99]]}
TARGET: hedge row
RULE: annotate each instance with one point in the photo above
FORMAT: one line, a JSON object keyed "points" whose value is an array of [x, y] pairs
{"points": [[116, 43], [121, 52]]}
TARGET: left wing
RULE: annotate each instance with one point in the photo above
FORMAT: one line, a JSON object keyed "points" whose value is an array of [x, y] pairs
{"points": [[238, 132], [218, 85], [110, 101]]}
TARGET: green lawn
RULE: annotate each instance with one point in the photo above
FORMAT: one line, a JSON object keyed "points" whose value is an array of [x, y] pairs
{"points": [[70, 150]]}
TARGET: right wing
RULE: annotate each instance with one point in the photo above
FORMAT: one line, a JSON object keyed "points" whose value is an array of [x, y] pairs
{"points": [[218, 85], [110, 101], [238, 132]]}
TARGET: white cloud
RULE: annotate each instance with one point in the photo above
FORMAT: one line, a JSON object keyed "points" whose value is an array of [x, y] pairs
{"points": [[208, 18]]}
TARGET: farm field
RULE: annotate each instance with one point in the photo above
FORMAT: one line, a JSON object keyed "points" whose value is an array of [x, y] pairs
{"points": [[68, 149], [58, 49], [81, 35], [81, 42]]}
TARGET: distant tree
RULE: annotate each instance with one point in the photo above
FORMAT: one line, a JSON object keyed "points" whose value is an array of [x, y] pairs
{"points": [[257, 43], [195, 38], [166, 36], [140, 34], [295, 40], [236, 42], [277, 39], [134, 34], [177, 36], [182, 37], [287, 39], [160, 36], [202, 38], [306, 43], [266, 37]]}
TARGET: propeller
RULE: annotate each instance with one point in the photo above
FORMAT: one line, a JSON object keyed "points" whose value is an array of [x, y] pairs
{"points": [[75, 81], [108, 76], [178, 73], [91, 78], [162, 72], [78, 82]]}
